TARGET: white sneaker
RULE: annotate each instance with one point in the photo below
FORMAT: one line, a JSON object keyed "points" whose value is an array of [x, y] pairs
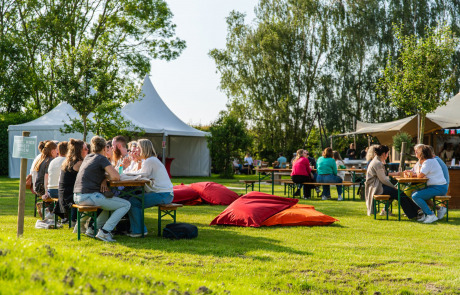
{"points": [[106, 237], [422, 218], [340, 198], [430, 218], [324, 198], [49, 215], [90, 232], [317, 189], [136, 235], [441, 212]]}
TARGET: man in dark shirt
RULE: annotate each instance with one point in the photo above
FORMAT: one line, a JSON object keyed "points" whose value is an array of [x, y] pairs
{"points": [[351, 153]]}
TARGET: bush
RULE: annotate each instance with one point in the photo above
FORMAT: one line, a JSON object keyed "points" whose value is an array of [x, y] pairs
{"points": [[401, 137], [229, 138], [5, 121]]}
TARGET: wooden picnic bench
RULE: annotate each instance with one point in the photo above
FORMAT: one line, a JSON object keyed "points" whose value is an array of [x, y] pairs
{"points": [[290, 186]]}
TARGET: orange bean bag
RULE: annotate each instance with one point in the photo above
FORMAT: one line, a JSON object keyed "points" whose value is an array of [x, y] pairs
{"points": [[214, 193], [299, 215]]}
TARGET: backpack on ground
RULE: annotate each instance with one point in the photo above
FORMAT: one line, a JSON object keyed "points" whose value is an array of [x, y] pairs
{"points": [[177, 231]]}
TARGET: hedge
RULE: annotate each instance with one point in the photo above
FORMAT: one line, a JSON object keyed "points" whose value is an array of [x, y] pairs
{"points": [[5, 121]]}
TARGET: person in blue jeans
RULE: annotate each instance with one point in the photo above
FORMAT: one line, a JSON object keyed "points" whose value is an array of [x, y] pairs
{"points": [[436, 184], [158, 191], [89, 185], [327, 173]]}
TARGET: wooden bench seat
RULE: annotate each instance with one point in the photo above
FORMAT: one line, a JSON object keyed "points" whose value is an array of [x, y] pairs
{"points": [[167, 210], [83, 211], [381, 199], [248, 183], [442, 200]]}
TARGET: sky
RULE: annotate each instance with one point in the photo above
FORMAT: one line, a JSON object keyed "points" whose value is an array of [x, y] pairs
{"points": [[189, 84]]}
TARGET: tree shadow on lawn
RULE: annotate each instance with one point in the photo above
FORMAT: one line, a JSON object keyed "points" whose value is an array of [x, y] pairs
{"points": [[219, 241]]}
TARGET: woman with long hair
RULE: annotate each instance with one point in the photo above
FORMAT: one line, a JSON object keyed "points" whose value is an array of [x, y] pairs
{"points": [[301, 172], [158, 191], [76, 152], [49, 152], [327, 173], [88, 189], [436, 186]]}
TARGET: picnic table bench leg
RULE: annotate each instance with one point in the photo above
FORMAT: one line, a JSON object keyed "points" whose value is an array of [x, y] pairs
{"points": [[78, 224], [142, 219], [159, 221], [399, 201]]}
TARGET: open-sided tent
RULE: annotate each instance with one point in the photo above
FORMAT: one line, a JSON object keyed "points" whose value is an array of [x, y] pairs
{"points": [[185, 144], [446, 116]]}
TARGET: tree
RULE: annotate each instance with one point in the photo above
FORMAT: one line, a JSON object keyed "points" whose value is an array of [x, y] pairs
{"points": [[422, 77], [89, 81], [135, 31], [270, 71], [229, 139]]}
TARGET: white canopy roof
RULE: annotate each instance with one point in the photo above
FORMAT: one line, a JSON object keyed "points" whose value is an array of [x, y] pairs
{"points": [[54, 119], [151, 114], [447, 116]]}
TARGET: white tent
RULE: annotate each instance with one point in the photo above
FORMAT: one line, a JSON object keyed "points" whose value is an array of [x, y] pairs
{"points": [[185, 144], [447, 116]]}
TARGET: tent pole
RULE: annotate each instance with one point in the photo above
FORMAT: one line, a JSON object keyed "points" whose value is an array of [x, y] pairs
{"points": [[164, 149]]}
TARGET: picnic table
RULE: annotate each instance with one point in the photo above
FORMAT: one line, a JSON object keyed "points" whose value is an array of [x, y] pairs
{"points": [[408, 182], [273, 171], [132, 192]]}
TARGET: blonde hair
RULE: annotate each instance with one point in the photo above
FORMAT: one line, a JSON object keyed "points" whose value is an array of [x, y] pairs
{"points": [[299, 154], [371, 152], [131, 144], [147, 149]]}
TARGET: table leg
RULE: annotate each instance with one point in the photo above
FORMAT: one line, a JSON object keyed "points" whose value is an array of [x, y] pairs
{"points": [[353, 178], [142, 219], [273, 183], [399, 201], [259, 180]]}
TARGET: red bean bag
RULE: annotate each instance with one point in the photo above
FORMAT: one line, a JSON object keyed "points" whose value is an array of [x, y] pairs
{"points": [[214, 193], [184, 194], [253, 209], [299, 215]]}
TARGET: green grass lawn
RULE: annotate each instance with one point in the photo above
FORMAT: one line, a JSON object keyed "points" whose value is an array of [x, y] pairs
{"points": [[357, 255]]}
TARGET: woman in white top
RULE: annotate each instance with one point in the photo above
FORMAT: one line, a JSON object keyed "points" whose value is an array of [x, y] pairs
{"points": [[158, 191], [340, 164], [436, 185]]}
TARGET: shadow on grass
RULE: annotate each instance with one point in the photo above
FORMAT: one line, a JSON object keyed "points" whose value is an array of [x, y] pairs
{"points": [[218, 241]]}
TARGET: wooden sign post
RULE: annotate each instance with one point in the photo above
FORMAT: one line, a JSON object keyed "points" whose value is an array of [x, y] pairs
{"points": [[24, 148]]}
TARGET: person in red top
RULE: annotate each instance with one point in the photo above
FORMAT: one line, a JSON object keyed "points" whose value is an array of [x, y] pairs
{"points": [[301, 172]]}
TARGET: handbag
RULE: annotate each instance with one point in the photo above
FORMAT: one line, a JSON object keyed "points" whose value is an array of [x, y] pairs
{"points": [[177, 231], [29, 181]]}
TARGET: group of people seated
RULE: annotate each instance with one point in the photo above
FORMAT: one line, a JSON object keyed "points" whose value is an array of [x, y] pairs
{"points": [[428, 166], [326, 167], [416, 203], [77, 173]]}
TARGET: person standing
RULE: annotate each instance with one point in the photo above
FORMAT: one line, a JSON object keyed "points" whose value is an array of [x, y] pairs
{"points": [[351, 152]]}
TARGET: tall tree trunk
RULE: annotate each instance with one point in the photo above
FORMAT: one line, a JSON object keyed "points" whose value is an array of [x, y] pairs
{"points": [[422, 128], [85, 127]]}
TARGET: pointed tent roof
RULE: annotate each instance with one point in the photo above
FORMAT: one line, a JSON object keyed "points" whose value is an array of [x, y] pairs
{"points": [[151, 114], [54, 119]]}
